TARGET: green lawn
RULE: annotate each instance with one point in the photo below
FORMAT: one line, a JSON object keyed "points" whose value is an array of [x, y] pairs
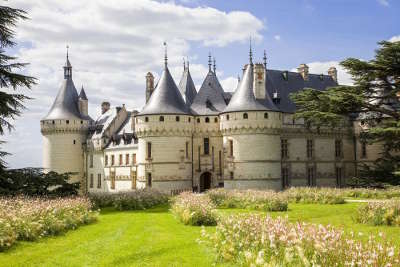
{"points": [[155, 238]]}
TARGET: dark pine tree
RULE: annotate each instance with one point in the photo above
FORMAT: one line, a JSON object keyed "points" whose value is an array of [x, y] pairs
{"points": [[374, 98], [11, 104]]}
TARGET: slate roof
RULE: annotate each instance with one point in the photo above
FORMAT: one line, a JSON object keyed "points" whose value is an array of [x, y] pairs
{"points": [[166, 98], [243, 98], [82, 94], [187, 87], [210, 100], [65, 105], [276, 82]]}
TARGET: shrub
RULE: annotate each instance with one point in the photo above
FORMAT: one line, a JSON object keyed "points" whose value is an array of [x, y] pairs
{"points": [[249, 199], [194, 209], [254, 240], [26, 218], [368, 193], [130, 200], [315, 195], [379, 213]]}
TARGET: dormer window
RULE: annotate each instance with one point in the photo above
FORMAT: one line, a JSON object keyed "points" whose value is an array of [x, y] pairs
{"points": [[161, 118], [285, 75], [245, 116]]}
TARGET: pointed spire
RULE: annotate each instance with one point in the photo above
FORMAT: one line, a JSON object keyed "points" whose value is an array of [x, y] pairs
{"points": [[187, 63], [82, 94], [165, 55], [214, 66], [238, 78], [265, 59], [251, 54], [209, 61], [184, 64], [67, 67]]}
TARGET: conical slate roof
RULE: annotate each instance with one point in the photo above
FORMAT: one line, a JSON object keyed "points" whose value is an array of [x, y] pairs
{"points": [[166, 98], [210, 98], [66, 104], [82, 94], [243, 99], [187, 88]]}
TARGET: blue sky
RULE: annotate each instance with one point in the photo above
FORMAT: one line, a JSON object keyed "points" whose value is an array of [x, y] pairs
{"points": [[114, 43]]}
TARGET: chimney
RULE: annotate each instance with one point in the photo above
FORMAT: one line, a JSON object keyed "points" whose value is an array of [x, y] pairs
{"points": [[105, 106], [149, 85], [332, 71], [303, 70], [259, 81]]}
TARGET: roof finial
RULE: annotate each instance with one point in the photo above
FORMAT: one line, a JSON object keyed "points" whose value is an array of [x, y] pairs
{"points": [[209, 61], [251, 53], [67, 51], [238, 78], [187, 62], [214, 66], [184, 64], [265, 59], [165, 55]]}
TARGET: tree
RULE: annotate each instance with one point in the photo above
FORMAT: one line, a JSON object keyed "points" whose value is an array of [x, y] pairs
{"points": [[374, 98], [11, 104]]}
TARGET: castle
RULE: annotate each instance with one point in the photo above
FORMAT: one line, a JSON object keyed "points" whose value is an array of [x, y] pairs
{"points": [[184, 139]]}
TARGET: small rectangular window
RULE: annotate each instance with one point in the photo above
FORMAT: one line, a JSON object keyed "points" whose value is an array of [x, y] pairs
{"points": [[149, 179], [133, 179], [112, 174], [91, 180], [310, 148], [112, 160], [149, 150], [134, 158], [310, 176], [284, 148], [91, 160], [187, 150], [206, 146], [99, 180], [220, 161], [338, 148], [127, 159], [212, 159], [120, 159], [285, 178], [338, 176], [231, 148], [106, 160], [231, 174]]}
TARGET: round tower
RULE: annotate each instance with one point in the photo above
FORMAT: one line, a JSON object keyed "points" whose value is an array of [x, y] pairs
{"points": [[164, 128], [64, 130], [251, 135]]}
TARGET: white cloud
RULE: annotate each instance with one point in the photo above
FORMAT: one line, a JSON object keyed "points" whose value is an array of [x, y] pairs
{"points": [[322, 67], [229, 84], [112, 46], [277, 37], [395, 39], [383, 2]]}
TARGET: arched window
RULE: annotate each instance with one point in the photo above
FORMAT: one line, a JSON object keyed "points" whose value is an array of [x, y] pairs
{"points": [[227, 117], [53, 122], [161, 118], [198, 120], [189, 119], [67, 121], [177, 118], [207, 119], [216, 120], [81, 122], [146, 119], [245, 116], [265, 115]]}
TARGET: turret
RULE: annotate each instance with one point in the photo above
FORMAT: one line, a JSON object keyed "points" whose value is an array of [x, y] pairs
{"points": [[64, 129]]}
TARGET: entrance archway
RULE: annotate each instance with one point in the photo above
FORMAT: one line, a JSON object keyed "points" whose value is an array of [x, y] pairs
{"points": [[205, 181]]}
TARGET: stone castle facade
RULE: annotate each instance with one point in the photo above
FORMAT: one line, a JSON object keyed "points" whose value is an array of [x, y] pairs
{"points": [[184, 139]]}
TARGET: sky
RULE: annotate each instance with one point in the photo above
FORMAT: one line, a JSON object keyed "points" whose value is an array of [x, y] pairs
{"points": [[113, 44]]}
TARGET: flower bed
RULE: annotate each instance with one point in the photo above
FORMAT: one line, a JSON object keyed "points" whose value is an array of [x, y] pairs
{"points": [[130, 200], [379, 213], [249, 199], [315, 195], [254, 240], [24, 218], [371, 193], [194, 209]]}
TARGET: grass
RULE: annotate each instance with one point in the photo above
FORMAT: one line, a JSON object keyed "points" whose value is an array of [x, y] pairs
{"points": [[155, 238]]}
